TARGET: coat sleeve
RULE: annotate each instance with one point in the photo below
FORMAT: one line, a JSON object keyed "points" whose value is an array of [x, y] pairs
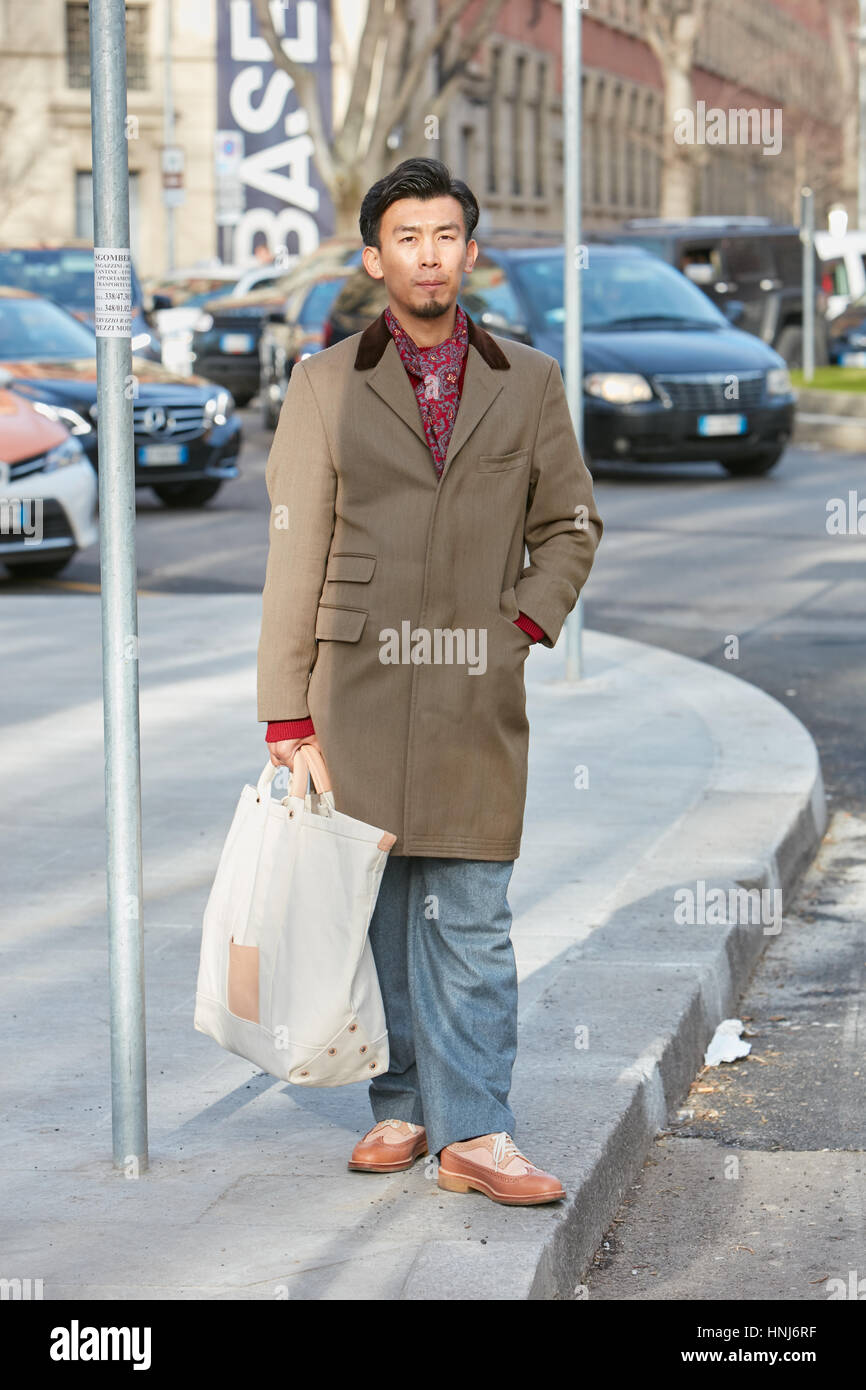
{"points": [[563, 527], [302, 487]]}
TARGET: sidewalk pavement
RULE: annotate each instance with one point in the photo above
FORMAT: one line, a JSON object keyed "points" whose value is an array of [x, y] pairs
{"points": [[693, 775]]}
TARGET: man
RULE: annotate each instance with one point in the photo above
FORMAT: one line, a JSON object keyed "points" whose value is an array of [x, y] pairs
{"points": [[412, 466]]}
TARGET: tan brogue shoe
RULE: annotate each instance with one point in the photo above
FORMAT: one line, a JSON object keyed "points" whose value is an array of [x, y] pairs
{"points": [[389, 1146], [492, 1164]]}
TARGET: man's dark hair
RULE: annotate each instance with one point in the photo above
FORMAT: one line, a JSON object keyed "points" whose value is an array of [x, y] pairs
{"points": [[415, 178]]}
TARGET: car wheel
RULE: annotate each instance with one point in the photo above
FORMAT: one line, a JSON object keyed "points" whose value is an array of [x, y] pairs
{"points": [[789, 345], [37, 569], [188, 494], [753, 464], [270, 413]]}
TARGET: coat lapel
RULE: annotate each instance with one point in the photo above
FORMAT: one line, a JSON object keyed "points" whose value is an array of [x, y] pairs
{"points": [[377, 353]]}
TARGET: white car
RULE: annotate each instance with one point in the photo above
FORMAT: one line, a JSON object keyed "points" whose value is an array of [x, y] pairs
{"points": [[193, 289], [48, 489], [844, 261]]}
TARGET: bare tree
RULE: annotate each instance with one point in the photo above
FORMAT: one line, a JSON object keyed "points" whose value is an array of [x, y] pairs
{"points": [[671, 29], [389, 80], [842, 21], [812, 132]]}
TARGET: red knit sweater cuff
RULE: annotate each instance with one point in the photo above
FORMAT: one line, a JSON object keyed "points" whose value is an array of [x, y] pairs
{"points": [[279, 729], [528, 626]]}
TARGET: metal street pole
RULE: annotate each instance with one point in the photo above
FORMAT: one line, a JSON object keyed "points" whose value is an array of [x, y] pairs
{"points": [[115, 391], [168, 129], [571, 114], [861, 142], [807, 237]]}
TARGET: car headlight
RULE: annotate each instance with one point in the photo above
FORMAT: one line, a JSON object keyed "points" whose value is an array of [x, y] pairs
{"points": [[620, 388], [141, 340], [779, 382], [219, 407], [69, 451], [203, 323], [74, 422]]}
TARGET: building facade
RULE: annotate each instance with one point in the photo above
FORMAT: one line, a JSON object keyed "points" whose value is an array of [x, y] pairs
{"points": [[502, 131]]}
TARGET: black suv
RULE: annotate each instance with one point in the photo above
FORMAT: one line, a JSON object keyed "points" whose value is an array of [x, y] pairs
{"points": [[748, 261]]}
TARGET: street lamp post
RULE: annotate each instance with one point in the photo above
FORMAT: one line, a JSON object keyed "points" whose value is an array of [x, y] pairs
{"points": [[115, 392], [573, 348]]}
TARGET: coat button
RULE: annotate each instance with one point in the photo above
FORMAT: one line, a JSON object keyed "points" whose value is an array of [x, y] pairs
{"points": [[372, 1066], [331, 1051], [352, 1027], [305, 1073], [363, 1049]]}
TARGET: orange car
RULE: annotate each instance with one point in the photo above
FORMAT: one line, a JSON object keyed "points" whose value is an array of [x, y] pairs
{"points": [[48, 489]]}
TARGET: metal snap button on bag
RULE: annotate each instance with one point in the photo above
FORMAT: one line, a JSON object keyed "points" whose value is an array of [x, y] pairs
{"points": [[286, 970]]}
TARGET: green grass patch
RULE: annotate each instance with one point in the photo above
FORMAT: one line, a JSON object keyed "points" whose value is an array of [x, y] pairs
{"points": [[832, 379]]}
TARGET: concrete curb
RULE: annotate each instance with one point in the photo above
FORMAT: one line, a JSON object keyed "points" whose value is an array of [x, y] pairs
{"points": [[831, 419], [763, 756]]}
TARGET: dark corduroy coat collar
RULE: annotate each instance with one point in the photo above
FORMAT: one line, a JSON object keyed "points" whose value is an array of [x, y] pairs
{"points": [[376, 338]]}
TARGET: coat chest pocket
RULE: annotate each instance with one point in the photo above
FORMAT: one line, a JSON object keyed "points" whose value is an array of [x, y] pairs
{"points": [[356, 568], [501, 463]]}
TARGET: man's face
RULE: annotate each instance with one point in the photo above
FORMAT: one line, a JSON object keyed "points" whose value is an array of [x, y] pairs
{"points": [[424, 255]]}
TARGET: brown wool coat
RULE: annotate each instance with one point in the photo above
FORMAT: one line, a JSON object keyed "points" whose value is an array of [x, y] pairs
{"points": [[370, 554]]}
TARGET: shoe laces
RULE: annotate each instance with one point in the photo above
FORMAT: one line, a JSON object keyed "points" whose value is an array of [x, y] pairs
{"points": [[504, 1149], [395, 1124]]}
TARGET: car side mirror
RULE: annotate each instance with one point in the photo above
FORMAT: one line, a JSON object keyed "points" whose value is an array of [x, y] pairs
{"points": [[700, 272], [498, 323], [733, 310]]}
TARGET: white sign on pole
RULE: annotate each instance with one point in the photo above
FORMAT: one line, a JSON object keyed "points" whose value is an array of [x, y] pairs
{"points": [[173, 193], [228, 155], [112, 281]]}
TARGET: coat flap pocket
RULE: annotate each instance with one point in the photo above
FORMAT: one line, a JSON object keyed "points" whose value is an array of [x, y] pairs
{"points": [[508, 605], [500, 463], [357, 568], [340, 624]]}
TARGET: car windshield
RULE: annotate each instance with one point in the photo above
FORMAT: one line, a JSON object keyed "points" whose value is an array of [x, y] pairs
{"points": [[195, 301], [195, 290], [617, 292], [65, 275], [35, 328], [317, 304]]}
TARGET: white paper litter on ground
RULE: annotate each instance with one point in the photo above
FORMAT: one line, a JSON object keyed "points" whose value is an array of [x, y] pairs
{"points": [[726, 1044]]}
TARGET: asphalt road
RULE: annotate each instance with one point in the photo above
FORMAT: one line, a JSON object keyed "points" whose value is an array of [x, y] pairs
{"points": [[743, 574]]}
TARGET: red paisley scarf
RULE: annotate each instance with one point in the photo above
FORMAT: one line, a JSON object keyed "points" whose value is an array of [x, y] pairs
{"points": [[435, 376]]}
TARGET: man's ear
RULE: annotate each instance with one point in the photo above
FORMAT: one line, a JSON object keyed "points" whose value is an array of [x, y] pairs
{"points": [[370, 259]]}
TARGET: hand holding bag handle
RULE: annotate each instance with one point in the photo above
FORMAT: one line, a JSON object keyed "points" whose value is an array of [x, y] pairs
{"points": [[311, 765]]}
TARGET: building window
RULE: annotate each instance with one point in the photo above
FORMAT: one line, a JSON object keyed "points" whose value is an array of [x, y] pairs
{"points": [[538, 131], [492, 121], [517, 149], [78, 46], [467, 154], [631, 152]]}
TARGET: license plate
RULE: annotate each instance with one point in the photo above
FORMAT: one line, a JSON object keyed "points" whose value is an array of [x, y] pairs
{"points": [[162, 453], [853, 359], [237, 342], [722, 424]]}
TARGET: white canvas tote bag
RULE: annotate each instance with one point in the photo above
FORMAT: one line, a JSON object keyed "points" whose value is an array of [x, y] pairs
{"points": [[286, 976]]}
